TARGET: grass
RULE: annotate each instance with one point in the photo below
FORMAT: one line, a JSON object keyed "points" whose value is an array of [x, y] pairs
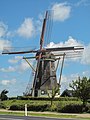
{"points": [[39, 114], [53, 115], [11, 113], [85, 119]]}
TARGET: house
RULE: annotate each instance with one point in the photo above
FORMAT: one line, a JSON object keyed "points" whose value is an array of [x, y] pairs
{"points": [[67, 93]]}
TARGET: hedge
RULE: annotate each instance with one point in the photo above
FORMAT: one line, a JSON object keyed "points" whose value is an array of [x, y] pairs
{"points": [[70, 108], [74, 108], [44, 98], [30, 107]]}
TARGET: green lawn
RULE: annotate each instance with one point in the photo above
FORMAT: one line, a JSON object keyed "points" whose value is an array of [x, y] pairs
{"points": [[39, 114]]}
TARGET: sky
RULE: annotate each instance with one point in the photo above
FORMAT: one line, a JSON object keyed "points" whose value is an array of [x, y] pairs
{"points": [[20, 28]]}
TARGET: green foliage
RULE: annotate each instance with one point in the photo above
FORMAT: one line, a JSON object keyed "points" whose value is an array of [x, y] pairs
{"points": [[30, 107], [60, 105], [88, 110], [62, 101], [42, 105], [16, 107], [43, 98], [38, 107], [13, 98], [53, 94], [3, 95], [88, 100], [2, 105], [52, 108], [72, 108], [64, 106], [81, 89]]}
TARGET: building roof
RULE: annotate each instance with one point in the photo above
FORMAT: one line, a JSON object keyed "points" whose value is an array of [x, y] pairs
{"points": [[67, 93]]}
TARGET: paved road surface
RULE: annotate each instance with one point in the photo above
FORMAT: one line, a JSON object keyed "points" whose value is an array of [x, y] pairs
{"points": [[8, 117]]}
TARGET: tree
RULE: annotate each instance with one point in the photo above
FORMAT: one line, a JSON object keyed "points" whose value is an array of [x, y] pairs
{"points": [[81, 89], [3, 95], [53, 93]]}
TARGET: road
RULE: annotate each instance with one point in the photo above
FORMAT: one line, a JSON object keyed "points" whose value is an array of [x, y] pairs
{"points": [[8, 117]]}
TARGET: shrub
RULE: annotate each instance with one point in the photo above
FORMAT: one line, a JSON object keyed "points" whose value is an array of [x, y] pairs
{"points": [[17, 107], [52, 108], [72, 108], [2, 106], [59, 107], [88, 108], [38, 107], [88, 101], [13, 98], [30, 107]]}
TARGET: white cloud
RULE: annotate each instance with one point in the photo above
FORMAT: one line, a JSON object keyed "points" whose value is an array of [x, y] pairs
{"points": [[82, 2], [8, 82], [11, 34], [86, 55], [27, 28], [15, 60], [68, 43], [72, 42], [61, 11], [3, 29], [86, 73], [66, 80], [23, 66], [9, 69], [4, 44]]}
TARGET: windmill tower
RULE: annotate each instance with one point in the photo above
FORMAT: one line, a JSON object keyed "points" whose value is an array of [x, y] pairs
{"points": [[45, 73]]}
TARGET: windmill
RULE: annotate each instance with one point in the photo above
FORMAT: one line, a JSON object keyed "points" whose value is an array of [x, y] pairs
{"points": [[45, 72]]}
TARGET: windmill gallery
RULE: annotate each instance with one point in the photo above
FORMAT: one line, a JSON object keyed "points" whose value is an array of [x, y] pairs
{"points": [[45, 78]]}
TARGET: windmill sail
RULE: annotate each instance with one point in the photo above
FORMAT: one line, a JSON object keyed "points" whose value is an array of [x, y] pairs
{"points": [[48, 29], [43, 31]]}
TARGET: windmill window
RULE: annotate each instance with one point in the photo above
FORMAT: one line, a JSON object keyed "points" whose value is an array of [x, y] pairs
{"points": [[43, 92]]}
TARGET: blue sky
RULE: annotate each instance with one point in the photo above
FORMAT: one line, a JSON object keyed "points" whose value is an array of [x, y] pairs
{"points": [[20, 26]]}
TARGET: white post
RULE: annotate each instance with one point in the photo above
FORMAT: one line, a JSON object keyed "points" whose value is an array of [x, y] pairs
{"points": [[25, 109]]}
